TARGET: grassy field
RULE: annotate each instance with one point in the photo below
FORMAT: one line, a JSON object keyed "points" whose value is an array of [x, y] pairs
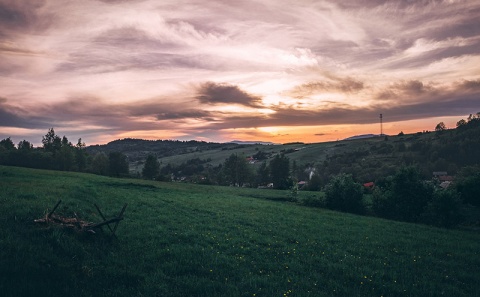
{"points": [[189, 240]]}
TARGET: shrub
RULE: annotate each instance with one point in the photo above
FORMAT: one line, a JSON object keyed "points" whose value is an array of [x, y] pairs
{"points": [[344, 194], [468, 185], [445, 210], [404, 196], [313, 201]]}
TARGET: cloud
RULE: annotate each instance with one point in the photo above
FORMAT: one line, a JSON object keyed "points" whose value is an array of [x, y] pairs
{"points": [[186, 114], [119, 1], [222, 93], [469, 84], [11, 116], [341, 85], [94, 113], [410, 100], [21, 16]]}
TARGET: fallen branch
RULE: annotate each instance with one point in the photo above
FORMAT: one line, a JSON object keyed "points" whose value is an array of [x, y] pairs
{"points": [[81, 225]]}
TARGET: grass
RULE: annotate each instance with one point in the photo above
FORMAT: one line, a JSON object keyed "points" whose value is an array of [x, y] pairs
{"points": [[190, 240]]}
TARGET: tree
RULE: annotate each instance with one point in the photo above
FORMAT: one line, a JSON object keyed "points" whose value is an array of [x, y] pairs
{"points": [[25, 145], [80, 155], [445, 209], [404, 196], [65, 141], [117, 164], [315, 183], [151, 167], [440, 127], [263, 174], [7, 143], [280, 172], [260, 155], [99, 164], [461, 123], [344, 194], [51, 142], [474, 117], [65, 158], [236, 170], [468, 185]]}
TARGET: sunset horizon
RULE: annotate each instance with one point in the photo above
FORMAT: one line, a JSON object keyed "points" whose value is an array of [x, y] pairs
{"points": [[215, 71]]}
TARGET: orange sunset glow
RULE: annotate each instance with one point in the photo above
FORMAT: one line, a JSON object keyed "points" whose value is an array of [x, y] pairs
{"points": [[276, 70]]}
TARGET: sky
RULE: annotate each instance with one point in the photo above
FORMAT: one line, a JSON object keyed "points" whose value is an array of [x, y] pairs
{"points": [[209, 70]]}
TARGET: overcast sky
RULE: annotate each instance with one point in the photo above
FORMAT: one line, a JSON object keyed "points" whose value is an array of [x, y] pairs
{"points": [[269, 70]]}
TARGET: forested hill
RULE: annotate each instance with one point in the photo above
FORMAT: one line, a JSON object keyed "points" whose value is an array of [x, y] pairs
{"points": [[138, 149], [367, 159]]}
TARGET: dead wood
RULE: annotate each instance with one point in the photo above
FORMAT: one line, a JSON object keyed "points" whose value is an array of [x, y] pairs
{"points": [[81, 225]]}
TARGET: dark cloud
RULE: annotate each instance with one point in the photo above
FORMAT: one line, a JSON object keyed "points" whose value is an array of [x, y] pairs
{"points": [[469, 85], [185, 114], [16, 117], [107, 116], [219, 93], [119, 1], [343, 85], [407, 90], [21, 16], [466, 25]]}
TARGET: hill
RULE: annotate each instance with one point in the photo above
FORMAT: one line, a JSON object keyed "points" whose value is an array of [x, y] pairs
{"points": [[368, 159], [189, 240]]}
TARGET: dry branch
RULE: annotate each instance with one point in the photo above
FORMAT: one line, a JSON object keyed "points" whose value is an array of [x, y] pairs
{"points": [[80, 225]]}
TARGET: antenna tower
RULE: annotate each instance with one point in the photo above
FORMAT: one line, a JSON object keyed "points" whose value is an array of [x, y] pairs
{"points": [[381, 125]]}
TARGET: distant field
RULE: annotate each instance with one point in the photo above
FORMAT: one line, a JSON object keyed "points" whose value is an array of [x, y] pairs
{"points": [[189, 240]]}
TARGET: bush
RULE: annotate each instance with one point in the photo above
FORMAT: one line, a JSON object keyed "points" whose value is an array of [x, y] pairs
{"points": [[445, 210], [344, 194], [468, 185], [313, 201], [404, 196]]}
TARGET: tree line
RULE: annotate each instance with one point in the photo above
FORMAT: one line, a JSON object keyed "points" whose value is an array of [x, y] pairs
{"points": [[234, 171], [58, 153], [406, 196]]}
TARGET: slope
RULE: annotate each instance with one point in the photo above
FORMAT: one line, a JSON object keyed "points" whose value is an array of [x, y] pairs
{"points": [[191, 240]]}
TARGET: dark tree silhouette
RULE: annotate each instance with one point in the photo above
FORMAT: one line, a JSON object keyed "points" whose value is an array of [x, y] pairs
{"points": [[263, 175], [404, 197], [25, 145], [99, 164], [151, 168], [51, 142], [280, 172], [440, 127], [7, 144], [117, 164], [344, 194], [236, 170]]}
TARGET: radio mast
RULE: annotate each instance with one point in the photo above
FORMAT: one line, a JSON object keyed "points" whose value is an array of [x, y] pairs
{"points": [[381, 125]]}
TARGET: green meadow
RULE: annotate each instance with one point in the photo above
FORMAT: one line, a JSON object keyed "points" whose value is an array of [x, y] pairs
{"points": [[190, 240]]}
